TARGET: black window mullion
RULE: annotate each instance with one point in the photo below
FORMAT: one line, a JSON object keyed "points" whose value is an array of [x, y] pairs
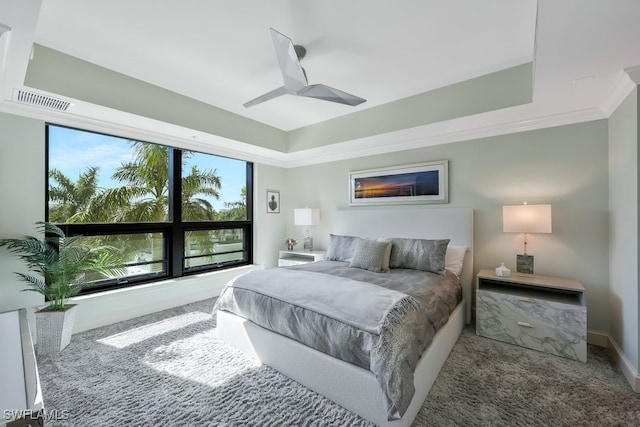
{"points": [[175, 243], [248, 229]]}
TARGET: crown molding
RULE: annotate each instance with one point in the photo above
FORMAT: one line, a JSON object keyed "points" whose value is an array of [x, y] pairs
{"points": [[166, 134], [634, 74], [483, 125], [622, 87], [440, 133]]}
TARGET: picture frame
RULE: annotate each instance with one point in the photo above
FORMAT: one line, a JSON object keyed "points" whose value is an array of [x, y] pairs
{"points": [[273, 201], [416, 183]]}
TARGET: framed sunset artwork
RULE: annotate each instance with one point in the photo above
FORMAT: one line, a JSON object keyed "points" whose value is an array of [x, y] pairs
{"points": [[417, 183]]}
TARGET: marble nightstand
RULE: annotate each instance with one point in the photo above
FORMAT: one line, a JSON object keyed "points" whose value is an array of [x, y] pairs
{"points": [[539, 312]]}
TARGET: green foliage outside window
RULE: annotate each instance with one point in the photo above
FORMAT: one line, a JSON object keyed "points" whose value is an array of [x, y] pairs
{"points": [[139, 193]]}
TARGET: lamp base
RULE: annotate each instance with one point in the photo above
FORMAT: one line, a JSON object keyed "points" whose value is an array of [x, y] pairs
{"points": [[524, 264], [308, 243]]}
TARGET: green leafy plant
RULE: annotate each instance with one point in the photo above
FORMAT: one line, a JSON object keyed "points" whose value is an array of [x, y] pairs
{"points": [[58, 265]]}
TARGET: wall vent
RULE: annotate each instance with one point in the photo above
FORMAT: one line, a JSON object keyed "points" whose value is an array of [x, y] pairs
{"points": [[40, 100]]}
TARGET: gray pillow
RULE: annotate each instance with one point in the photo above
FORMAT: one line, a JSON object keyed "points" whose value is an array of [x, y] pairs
{"points": [[419, 254], [387, 255], [370, 255], [341, 247]]}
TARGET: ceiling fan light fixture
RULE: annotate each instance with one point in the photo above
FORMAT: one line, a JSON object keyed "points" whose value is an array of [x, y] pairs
{"points": [[301, 51], [295, 77]]}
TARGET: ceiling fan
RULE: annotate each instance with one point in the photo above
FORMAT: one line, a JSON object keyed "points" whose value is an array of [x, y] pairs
{"points": [[295, 78]]}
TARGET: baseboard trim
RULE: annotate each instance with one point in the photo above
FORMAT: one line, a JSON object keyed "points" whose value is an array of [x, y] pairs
{"points": [[625, 365], [603, 339]]}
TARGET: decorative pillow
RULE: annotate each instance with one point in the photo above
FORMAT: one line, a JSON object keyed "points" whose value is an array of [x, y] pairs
{"points": [[341, 247], [387, 255], [454, 258], [419, 254], [369, 255]]}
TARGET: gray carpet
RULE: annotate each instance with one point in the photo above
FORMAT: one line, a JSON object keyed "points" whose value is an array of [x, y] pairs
{"points": [[170, 369]]}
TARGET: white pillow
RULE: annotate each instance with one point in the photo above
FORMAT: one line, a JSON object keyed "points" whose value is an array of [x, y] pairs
{"points": [[454, 258]]}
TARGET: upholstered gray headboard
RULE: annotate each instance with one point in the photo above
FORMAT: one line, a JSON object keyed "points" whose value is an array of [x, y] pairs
{"points": [[420, 222]]}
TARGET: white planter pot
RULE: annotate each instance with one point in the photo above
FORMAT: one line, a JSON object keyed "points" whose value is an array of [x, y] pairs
{"points": [[54, 329]]}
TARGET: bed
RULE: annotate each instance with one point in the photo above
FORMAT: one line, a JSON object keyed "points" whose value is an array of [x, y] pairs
{"points": [[348, 382]]}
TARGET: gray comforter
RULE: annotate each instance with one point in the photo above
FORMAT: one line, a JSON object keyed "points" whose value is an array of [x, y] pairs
{"points": [[378, 321]]}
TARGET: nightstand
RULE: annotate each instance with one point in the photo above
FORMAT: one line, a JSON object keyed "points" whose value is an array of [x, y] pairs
{"points": [[299, 257], [539, 312]]}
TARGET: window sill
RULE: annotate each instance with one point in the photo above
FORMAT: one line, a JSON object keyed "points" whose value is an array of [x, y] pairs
{"points": [[116, 305], [160, 284]]}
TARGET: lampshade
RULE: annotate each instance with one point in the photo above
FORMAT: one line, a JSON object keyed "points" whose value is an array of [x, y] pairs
{"points": [[306, 216], [526, 219]]}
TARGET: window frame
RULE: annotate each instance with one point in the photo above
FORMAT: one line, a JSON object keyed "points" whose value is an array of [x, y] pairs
{"points": [[173, 230]]}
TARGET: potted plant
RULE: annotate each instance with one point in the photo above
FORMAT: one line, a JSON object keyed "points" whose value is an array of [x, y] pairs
{"points": [[58, 267]]}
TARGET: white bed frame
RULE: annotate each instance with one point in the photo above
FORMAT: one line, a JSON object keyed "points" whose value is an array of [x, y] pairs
{"points": [[352, 387]]}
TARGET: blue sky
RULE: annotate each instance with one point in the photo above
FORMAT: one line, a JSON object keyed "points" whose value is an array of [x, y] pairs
{"points": [[72, 151]]}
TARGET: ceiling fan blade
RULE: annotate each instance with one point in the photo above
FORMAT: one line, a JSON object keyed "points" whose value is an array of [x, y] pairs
{"points": [[328, 93], [267, 96], [295, 78], [292, 72]]}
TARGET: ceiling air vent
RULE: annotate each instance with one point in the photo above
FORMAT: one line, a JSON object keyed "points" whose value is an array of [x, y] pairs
{"points": [[40, 100]]}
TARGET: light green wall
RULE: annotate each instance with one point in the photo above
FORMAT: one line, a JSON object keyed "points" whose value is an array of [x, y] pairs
{"points": [[494, 91], [21, 201], [564, 166], [623, 201], [66, 75], [270, 228]]}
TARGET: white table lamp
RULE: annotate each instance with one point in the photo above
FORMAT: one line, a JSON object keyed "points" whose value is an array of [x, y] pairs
{"points": [[526, 219], [307, 217]]}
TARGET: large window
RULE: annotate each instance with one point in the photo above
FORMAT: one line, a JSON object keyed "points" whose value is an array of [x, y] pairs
{"points": [[164, 211]]}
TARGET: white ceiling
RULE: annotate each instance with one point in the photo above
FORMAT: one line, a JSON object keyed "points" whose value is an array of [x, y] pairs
{"points": [[220, 52]]}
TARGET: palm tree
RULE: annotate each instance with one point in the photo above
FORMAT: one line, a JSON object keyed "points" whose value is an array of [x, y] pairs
{"points": [[197, 208], [75, 201], [199, 183], [144, 197], [235, 210]]}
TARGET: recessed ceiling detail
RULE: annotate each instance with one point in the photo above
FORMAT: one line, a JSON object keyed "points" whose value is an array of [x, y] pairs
{"points": [[56, 72], [219, 54]]}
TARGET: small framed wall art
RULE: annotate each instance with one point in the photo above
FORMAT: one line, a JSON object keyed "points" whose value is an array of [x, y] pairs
{"points": [[273, 201], [417, 183]]}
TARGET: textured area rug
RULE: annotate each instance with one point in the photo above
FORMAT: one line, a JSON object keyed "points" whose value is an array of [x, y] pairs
{"points": [[490, 383], [170, 369]]}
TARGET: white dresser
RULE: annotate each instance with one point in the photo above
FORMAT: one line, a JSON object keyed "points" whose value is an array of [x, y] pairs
{"points": [[539, 312], [299, 257]]}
